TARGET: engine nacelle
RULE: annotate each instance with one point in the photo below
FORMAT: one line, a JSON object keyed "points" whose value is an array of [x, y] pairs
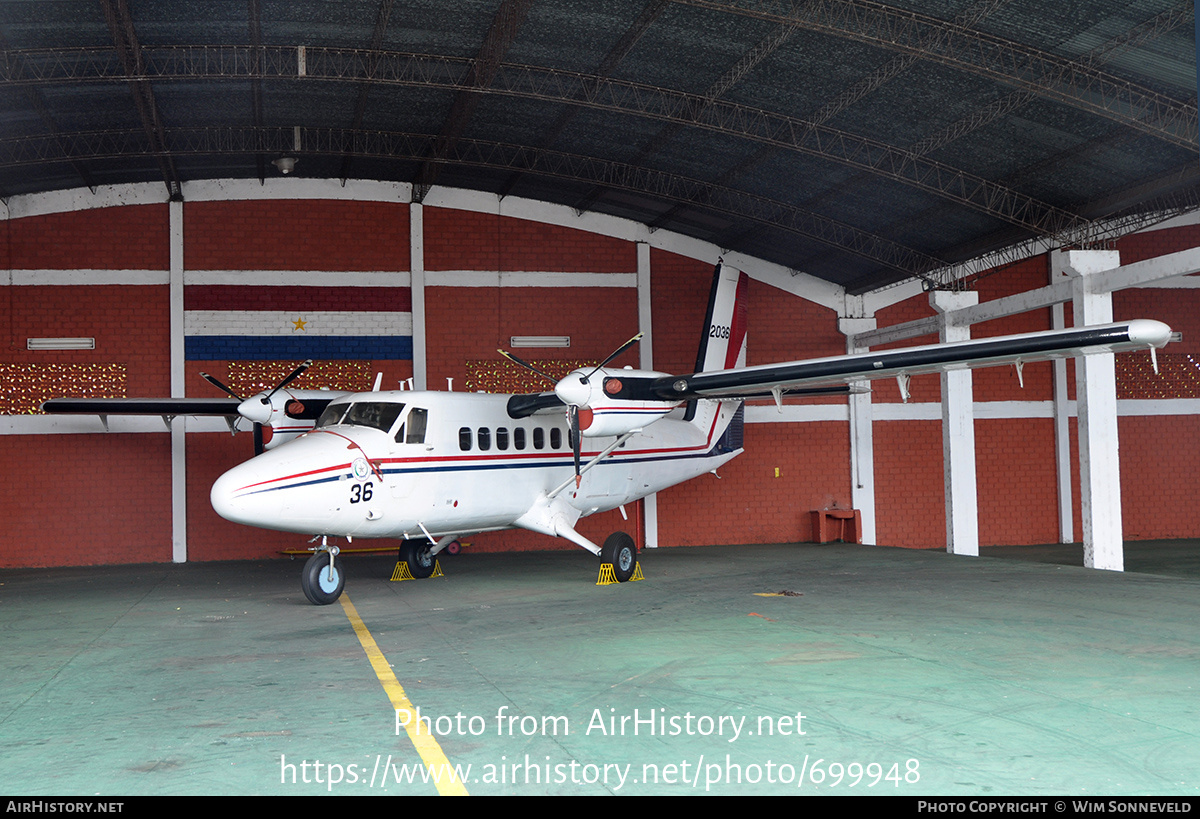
{"points": [[605, 409], [288, 414]]}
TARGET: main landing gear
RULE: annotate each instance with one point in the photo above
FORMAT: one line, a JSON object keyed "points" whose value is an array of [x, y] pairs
{"points": [[418, 554], [620, 551]]}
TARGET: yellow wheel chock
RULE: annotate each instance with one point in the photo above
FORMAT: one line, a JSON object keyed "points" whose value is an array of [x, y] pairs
{"points": [[608, 576], [402, 572]]}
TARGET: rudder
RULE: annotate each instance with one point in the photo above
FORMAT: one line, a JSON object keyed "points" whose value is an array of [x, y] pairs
{"points": [[723, 343]]}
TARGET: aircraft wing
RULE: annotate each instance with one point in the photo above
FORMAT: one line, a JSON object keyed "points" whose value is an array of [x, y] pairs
{"points": [[790, 376], [142, 406]]}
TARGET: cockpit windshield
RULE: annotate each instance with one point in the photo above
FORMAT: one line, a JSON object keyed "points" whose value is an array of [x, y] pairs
{"points": [[376, 414]]}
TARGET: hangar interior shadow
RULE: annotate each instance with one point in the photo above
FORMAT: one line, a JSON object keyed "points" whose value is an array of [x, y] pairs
{"points": [[879, 670]]}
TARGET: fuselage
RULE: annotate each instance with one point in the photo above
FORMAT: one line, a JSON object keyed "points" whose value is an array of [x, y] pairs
{"points": [[408, 463]]}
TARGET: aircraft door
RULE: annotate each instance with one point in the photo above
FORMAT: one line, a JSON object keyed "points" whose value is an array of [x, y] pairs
{"points": [[408, 446]]}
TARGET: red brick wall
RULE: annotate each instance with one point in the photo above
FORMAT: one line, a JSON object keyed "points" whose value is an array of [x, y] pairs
{"points": [[135, 237], [1159, 479], [83, 500], [1015, 457], [112, 504], [909, 495], [1018, 484], [471, 323], [749, 504], [464, 240], [296, 235], [130, 323]]}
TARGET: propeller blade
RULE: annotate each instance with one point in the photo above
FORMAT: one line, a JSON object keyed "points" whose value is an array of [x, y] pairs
{"points": [[617, 352], [211, 380], [258, 439], [527, 366], [292, 376], [575, 442]]}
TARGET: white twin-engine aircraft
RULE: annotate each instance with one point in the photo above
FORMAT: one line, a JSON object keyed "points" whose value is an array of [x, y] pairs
{"points": [[431, 467]]}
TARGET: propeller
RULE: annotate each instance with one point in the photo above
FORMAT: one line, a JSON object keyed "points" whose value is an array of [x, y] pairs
{"points": [[255, 408], [521, 363], [212, 380], [574, 391], [573, 413], [614, 354]]}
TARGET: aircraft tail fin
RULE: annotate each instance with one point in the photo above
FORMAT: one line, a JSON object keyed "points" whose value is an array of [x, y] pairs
{"points": [[723, 343]]}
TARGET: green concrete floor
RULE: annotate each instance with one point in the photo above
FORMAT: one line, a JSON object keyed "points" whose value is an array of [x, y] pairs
{"points": [[917, 673]]}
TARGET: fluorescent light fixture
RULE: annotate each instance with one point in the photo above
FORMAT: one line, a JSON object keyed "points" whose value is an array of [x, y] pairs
{"points": [[539, 341], [60, 344]]}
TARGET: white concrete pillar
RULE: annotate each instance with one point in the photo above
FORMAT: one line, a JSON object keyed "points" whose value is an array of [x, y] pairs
{"points": [[1096, 397], [645, 325], [416, 264], [862, 444], [646, 362], [1062, 417], [178, 387], [958, 432]]}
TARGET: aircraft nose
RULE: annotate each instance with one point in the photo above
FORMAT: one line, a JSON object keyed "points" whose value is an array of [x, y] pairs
{"points": [[232, 504], [292, 488]]}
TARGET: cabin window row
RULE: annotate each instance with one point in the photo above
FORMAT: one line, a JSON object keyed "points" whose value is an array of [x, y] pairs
{"points": [[483, 439]]}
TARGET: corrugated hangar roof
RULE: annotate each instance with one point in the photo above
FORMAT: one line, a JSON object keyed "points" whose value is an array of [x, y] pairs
{"points": [[860, 142]]}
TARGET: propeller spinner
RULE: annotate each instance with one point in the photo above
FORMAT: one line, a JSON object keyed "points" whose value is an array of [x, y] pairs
{"points": [[258, 409]]}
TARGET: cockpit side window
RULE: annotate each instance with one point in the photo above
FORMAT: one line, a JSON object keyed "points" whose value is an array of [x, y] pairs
{"points": [[418, 419], [333, 414], [375, 414]]}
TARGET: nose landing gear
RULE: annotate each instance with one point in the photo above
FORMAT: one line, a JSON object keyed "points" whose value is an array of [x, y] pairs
{"points": [[323, 579]]}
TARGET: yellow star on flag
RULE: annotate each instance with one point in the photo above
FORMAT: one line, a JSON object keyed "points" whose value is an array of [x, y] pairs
{"points": [[299, 322]]}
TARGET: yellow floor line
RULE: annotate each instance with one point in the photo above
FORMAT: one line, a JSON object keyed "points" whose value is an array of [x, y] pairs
{"points": [[431, 753]]}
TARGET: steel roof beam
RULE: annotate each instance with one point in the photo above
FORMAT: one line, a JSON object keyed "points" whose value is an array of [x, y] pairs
{"points": [[125, 41], [254, 19], [892, 69], [736, 73], [599, 93], [364, 88], [379, 144], [479, 76], [1081, 86], [649, 14]]}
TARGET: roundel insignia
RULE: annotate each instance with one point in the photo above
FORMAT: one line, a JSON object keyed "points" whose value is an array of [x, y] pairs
{"points": [[360, 468]]}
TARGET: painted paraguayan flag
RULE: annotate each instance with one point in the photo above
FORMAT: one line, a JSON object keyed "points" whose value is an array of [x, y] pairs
{"points": [[274, 322]]}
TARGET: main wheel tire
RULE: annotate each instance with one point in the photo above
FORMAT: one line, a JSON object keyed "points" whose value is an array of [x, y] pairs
{"points": [[620, 550], [319, 587], [416, 554]]}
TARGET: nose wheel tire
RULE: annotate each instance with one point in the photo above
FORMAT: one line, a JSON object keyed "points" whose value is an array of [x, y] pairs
{"points": [[620, 550], [319, 586], [416, 554]]}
